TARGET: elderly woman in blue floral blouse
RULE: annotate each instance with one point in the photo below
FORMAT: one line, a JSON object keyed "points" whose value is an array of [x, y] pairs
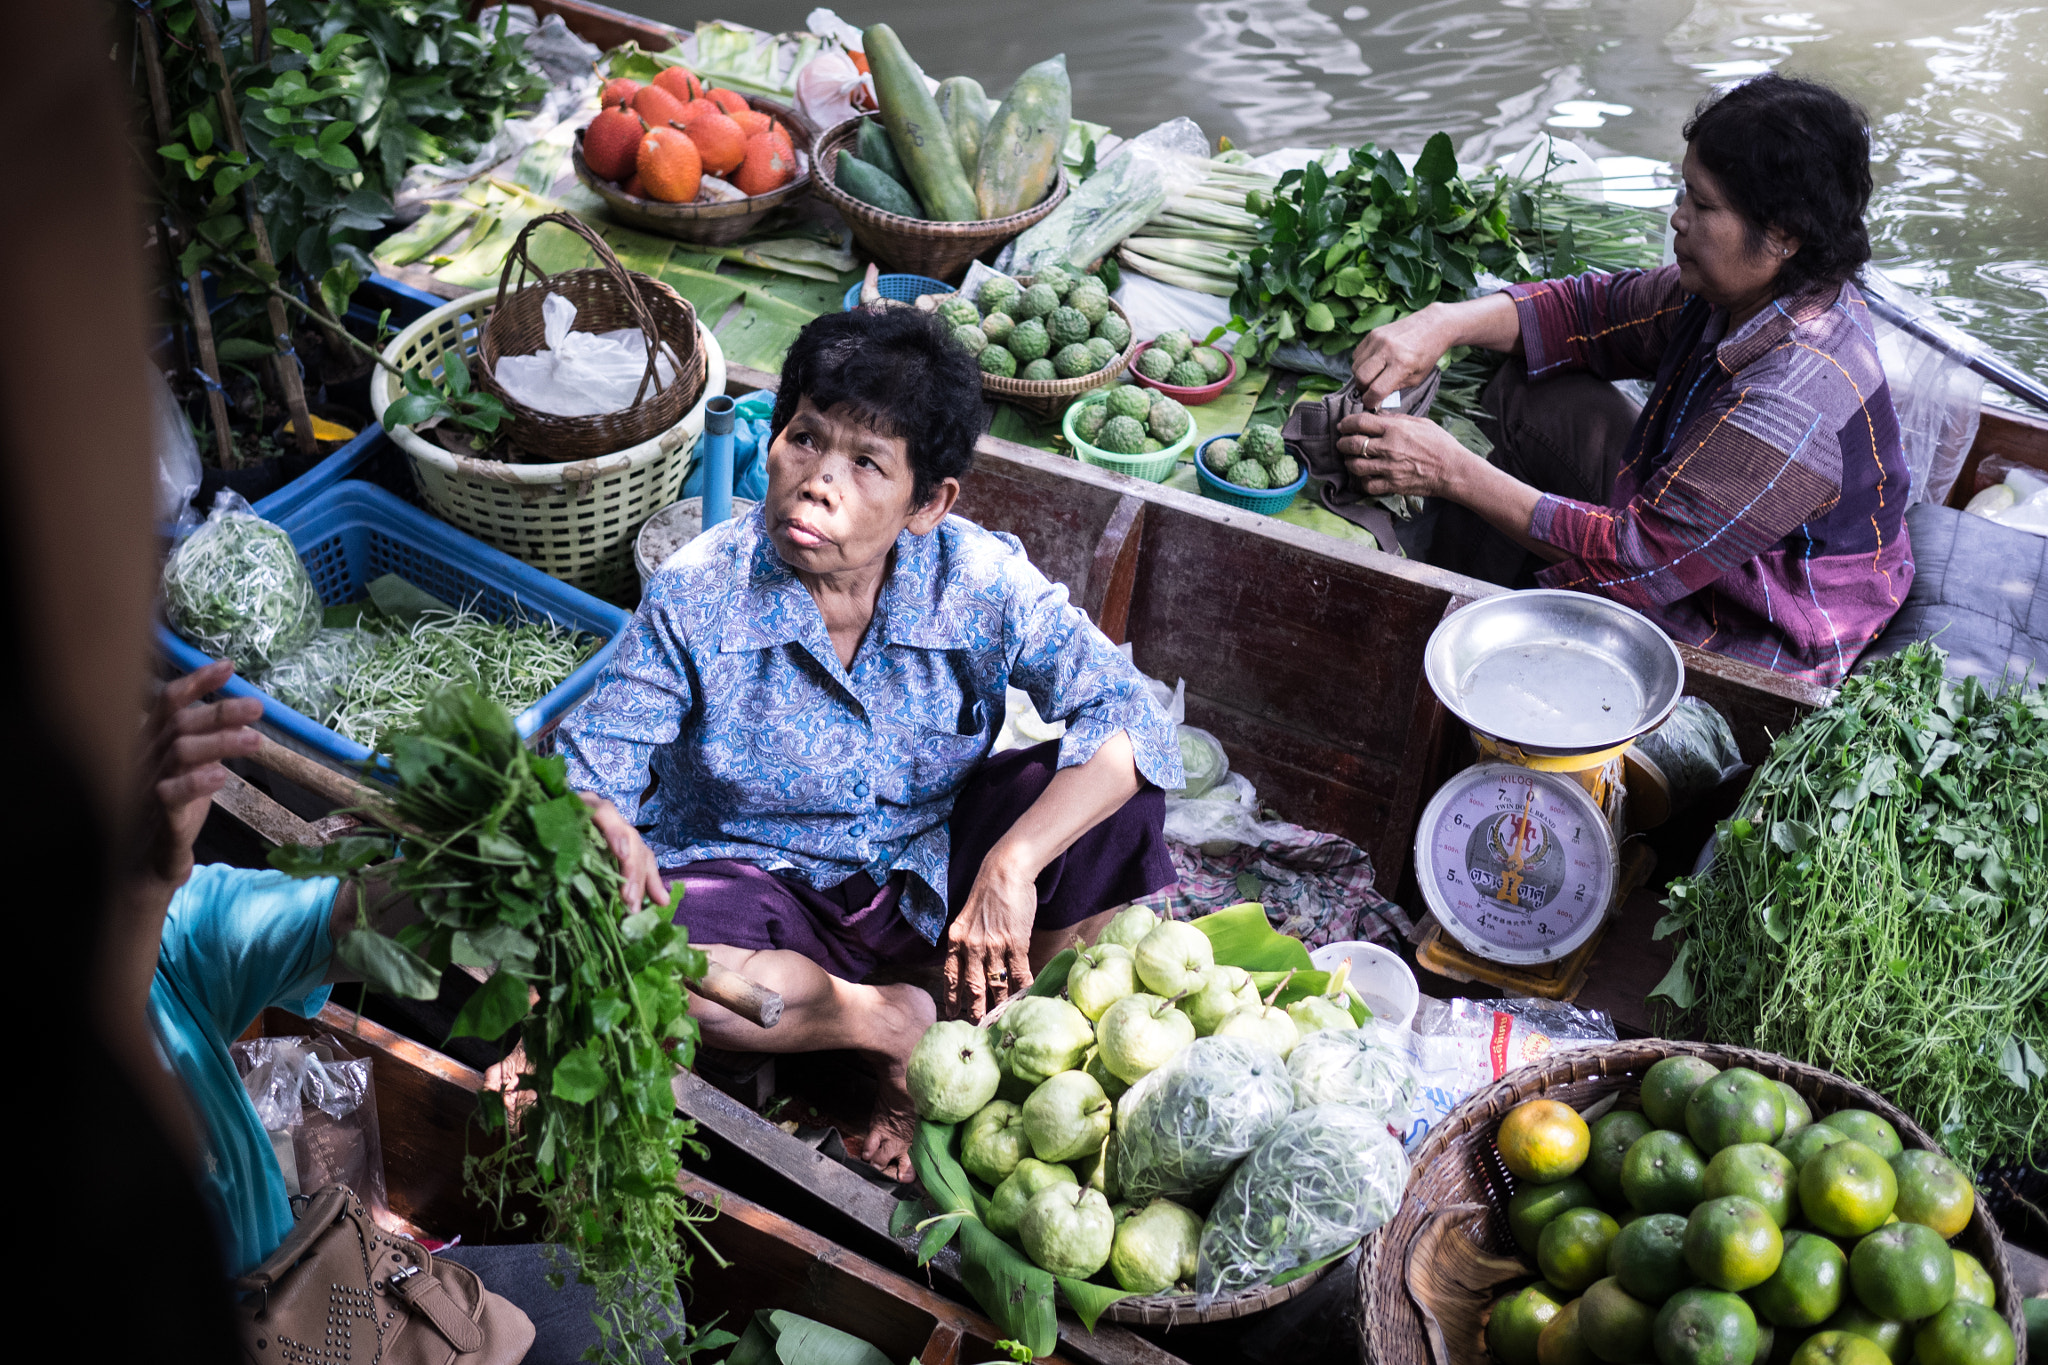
{"points": [[815, 688]]}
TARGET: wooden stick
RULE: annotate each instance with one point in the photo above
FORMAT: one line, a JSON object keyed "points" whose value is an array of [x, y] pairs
{"points": [[287, 366], [195, 287], [748, 999], [259, 30]]}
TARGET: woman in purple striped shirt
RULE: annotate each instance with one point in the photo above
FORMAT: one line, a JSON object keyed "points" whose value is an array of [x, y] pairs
{"points": [[1755, 505]]}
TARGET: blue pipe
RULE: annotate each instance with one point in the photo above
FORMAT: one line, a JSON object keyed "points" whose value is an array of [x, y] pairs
{"points": [[718, 419]]}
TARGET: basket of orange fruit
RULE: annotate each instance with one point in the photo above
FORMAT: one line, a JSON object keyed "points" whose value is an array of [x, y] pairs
{"points": [[1685, 1204], [693, 161]]}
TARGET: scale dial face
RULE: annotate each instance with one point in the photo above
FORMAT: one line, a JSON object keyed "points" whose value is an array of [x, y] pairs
{"points": [[1517, 864]]}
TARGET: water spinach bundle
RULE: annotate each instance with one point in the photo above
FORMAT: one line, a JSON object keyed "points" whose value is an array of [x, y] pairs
{"points": [[510, 874], [1878, 905]]}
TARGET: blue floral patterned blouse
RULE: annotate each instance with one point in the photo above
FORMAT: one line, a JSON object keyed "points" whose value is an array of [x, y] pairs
{"points": [[768, 751]]}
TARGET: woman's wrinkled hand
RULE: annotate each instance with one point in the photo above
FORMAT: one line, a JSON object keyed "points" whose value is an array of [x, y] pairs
{"points": [[636, 860], [1397, 356], [988, 946], [1389, 453]]}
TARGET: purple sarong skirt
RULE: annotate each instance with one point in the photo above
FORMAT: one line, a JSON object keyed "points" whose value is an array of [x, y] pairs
{"points": [[854, 927]]}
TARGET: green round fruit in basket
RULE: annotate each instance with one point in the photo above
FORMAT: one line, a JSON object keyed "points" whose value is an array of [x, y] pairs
{"points": [[1187, 375], [1669, 1083], [1088, 426], [996, 327], [1068, 1229], [1090, 300], [1611, 1135], [1073, 361], [1904, 1271], [959, 311], [1283, 471], [1932, 1190], [1039, 300], [1156, 1249], [1057, 278], [1175, 343], [1806, 1288], [1040, 371], [1030, 1176], [952, 1072], [1847, 1190], [1758, 1172], [970, 338], [1168, 420], [1705, 1327], [1220, 455], [998, 361], [1128, 400], [993, 1141], [1869, 1129], [1155, 363], [1648, 1256], [1572, 1249], [1114, 330], [1121, 436], [1263, 442], [1532, 1207], [1804, 1145], [1028, 341], [1067, 327], [1839, 1348], [1736, 1106], [1214, 363], [1732, 1244], [1101, 351], [1965, 1334], [1663, 1173], [998, 295], [1518, 1319], [1246, 474], [1616, 1325]]}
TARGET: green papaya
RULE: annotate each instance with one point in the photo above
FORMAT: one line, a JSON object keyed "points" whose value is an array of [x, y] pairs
{"points": [[875, 148], [912, 117], [1020, 151], [966, 109], [872, 185]]}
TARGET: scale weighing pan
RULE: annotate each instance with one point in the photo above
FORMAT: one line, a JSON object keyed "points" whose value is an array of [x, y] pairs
{"points": [[1554, 673]]}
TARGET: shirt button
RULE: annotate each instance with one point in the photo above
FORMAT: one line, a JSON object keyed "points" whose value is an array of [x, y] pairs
{"points": [[860, 789], [857, 830]]}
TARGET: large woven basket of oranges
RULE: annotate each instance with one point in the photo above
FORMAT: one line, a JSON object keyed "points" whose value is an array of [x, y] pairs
{"points": [[1674, 1203], [692, 161]]}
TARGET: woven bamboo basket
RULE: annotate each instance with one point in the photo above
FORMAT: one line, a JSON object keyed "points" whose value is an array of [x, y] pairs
{"points": [[576, 520], [607, 297], [1458, 1173], [708, 224], [1051, 397], [915, 245]]}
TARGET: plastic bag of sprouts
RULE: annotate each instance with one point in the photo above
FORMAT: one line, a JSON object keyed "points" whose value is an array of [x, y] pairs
{"points": [[1182, 1127], [235, 588], [312, 679]]}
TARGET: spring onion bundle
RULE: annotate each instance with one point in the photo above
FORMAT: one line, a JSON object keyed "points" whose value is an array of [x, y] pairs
{"points": [[236, 589], [1196, 240], [1878, 905]]}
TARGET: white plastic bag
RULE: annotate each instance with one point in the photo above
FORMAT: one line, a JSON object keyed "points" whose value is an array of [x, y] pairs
{"points": [[1122, 195], [828, 86], [1154, 307], [1457, 1046], [177, 459], [580, 374]]}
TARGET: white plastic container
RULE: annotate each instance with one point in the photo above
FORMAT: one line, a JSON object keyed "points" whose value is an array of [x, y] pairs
{"points": [[1381, 978]]}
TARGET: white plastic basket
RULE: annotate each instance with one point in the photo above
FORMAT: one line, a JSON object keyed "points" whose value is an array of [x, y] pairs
{"points": [[573, 521]]}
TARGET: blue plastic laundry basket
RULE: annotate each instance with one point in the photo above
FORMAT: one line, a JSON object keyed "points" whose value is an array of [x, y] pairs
{"points": [[902, 288]]}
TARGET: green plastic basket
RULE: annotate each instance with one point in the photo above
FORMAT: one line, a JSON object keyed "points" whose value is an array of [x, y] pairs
{"points": [[1266, 501], [1153, 466]]}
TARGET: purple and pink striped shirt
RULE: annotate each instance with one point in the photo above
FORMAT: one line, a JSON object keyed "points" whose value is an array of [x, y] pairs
{"points": [[1760, 508]]}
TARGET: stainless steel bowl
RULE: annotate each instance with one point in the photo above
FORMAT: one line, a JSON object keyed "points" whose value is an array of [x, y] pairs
{"points": [[1554, 672]]}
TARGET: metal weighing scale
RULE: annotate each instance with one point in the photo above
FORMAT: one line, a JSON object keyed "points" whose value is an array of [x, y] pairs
{"points": [[1520, 856]]}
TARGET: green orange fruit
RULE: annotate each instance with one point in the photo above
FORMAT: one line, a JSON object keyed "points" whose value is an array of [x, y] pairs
{"points": [[1531, 1208], [1798, 1113], [1705, 1327], [1756, 1171], [1668, 1084], [1847, 1189], [1663, 1173], [1806, 1289], [1933, 1191], [1805, 1144], [1869, 1129], [1543, 1140], [1973, 1282], [1904, 1272], [2036, 1312], [1889, 1337], [1517, 1320], [1613, 1134], [1561, 1342], [1732, 1242], [1736, 1106], [1572, 1250], [1839, 1348], [1615, 1324], [1648, 1257], [1965, 1334]]}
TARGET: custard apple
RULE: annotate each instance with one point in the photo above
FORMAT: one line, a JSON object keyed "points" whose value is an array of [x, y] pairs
{"points": [[1056, 277], [970, 337], [1175, 343], [959, 311], [1261, 441], [1128, 400], [1073, 361], [1090, 300], [1247, 474], [1188, 374], [1088, 421], [1038, 300], [1121, 436], [1220, 455], [1114, 330], [996, 327], [1066, 327], [1169, 421], [1028, 340], [997, 361], [1039, 370], [1214, 363], [997, 295], [1101, 350], [1155, 363], [1283, 471]]}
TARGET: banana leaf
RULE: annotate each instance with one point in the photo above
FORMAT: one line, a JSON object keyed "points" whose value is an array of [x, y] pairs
{"points": [[1243, 937], [443, 219], [1016, 1294], [779, 1337]]}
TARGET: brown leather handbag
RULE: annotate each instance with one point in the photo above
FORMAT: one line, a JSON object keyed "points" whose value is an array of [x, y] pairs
{"points": [[1311, 436], [342, 1291]]}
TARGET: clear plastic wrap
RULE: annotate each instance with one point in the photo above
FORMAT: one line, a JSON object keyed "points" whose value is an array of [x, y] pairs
{"points": [[1694, 750], [1938, 398], [1322, 1179], [178, 472], [236, 589], [1182, 1127], [313, 678], [321, 1113], [1125, 191], [1354, 1067]]}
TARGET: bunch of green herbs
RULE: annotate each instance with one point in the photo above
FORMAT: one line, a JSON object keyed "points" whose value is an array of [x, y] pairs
{"points": [[1878, 905], [510, 874]]}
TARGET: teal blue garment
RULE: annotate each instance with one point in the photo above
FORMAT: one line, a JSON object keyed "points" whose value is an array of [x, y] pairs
{"points": [[237, 941]]}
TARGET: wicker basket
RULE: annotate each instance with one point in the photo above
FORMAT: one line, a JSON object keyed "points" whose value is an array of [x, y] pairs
{"points": [[1051, 397], [916, 245], [574, 521], [607, 297], [1459, 1171], [709, 224]]}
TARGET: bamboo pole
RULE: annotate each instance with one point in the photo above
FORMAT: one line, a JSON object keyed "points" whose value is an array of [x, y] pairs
{"points": [[288, 378], [195, 287]]}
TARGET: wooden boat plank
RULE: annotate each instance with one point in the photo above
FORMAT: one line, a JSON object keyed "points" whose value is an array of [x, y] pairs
{"points": [[2018, 436]]}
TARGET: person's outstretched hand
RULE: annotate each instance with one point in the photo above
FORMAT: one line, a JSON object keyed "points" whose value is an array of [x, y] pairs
{"points": [[636, 860], [183, 767]]}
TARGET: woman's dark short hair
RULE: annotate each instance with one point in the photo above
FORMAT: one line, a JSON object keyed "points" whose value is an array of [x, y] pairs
{"points": [[899, 372], [1794, 155]]}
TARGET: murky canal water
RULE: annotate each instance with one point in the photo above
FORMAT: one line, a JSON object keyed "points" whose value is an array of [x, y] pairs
{"points": [[1957, 91]]}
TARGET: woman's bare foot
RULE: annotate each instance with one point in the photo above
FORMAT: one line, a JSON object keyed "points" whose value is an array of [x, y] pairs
{"points": [[908, 1013]]}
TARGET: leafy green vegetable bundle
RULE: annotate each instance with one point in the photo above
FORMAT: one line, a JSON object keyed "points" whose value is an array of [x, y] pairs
{"points": [[1878, 905], [510, 873]]}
